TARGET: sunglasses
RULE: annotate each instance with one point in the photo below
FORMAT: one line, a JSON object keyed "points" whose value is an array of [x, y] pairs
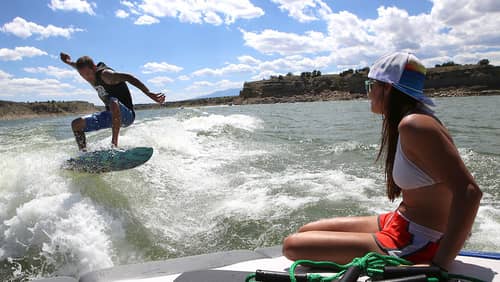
{"points": [[368, 85]]}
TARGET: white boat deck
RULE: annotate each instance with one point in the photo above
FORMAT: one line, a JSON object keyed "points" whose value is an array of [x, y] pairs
{"points": [[236, 265]]}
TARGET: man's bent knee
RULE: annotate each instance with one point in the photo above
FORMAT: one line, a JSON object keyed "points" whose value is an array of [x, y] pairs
{"points": [[114, 106], [78, 124]]}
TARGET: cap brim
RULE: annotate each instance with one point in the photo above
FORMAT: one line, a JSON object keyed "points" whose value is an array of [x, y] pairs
{"points": [[414, 94]]}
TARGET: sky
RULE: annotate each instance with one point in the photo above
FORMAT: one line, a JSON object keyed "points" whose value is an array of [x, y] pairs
{"points": [[190, 48]]}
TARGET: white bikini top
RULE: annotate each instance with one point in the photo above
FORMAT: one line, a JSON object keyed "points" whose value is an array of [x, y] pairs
{"points": [[406, 174]]}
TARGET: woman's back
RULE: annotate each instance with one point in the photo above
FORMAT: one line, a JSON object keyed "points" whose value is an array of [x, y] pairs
{"points": [[428, 206]]}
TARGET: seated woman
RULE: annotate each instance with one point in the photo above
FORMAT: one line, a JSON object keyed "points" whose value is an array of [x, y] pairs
{"points": [[440, 198]]}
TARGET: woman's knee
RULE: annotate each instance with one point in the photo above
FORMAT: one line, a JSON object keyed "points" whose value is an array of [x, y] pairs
{"points": [[291, 247], [310, 226], [364, 224], [331, 224]]}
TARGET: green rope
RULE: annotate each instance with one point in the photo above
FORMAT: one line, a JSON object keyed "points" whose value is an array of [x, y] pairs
{"points": [[371, 264], [250, 277]]}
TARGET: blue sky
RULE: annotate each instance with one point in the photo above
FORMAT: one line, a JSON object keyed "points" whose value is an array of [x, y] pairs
{"points": [[191, 48]]}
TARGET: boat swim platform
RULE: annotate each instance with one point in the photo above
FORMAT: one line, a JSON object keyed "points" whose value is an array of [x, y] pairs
{"points": [[237, 264]]}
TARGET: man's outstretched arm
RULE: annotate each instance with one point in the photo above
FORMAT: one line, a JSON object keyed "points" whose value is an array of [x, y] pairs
{"points": [[67, 59], [111, 77]]}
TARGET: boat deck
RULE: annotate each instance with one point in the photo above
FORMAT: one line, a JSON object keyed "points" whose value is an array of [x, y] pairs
{"points": [[236, 265]]}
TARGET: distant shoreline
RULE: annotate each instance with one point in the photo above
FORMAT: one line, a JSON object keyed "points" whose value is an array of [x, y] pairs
{"points": [[323, 96], [19, 110], [37, 116], [31, 110], [447, 80]]}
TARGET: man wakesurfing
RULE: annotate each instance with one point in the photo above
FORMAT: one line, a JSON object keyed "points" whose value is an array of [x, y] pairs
{"points": [[112, 89]]}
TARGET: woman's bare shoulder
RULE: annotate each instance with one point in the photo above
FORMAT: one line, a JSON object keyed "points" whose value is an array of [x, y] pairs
{"points": [[419, 123], [422, 132], [429, 145]]}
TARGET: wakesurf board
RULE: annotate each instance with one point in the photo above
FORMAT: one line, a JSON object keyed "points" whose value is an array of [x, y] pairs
{"points": [[109, 160]]}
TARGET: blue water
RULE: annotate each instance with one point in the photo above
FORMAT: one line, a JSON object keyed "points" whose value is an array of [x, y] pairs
{"points": [[220, 178]]}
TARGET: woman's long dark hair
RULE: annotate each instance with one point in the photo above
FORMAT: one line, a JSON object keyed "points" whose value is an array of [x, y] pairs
{"points": [[398, 105]]}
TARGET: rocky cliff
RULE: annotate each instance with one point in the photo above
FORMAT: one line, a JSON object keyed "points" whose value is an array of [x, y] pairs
{"points": [[441, 81]]}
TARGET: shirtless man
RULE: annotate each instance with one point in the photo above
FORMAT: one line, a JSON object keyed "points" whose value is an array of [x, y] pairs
{"points": [[112, 89]]}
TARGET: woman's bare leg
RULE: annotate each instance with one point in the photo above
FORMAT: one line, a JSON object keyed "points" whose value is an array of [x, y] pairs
{"points": [[361, 224], [339, 247], [335, 239]]}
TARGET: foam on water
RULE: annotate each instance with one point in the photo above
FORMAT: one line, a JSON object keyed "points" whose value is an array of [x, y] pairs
{"points": [[69, 232], [277, 194], [46, 221], [184, 183], [204, 171]]}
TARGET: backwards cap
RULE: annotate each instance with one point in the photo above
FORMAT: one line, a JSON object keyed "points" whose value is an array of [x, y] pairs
{"points": [[404, 71]]}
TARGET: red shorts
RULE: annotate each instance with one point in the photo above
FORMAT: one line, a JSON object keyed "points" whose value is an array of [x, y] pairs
{"points": [[400, 237]]}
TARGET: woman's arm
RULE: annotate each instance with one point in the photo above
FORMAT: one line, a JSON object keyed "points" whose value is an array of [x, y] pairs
{"points": [[464, 206], [111, 77], [426, 141]]}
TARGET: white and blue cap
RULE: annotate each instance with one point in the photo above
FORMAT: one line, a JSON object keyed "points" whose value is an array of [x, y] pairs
{"points": [[405, 72]]}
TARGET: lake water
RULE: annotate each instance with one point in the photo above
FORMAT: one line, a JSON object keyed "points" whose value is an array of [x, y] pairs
{"points": [[220, 178]]}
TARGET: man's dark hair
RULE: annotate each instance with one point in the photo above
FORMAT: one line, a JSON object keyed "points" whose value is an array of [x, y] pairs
{"points": [[84, 61]]}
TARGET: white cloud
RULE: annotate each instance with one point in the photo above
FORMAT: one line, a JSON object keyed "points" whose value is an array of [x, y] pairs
{"points": [[59, 73], [213, 12], [153, 67], [128, 4], [226, 84], [352, 42], [467, 58], [227, 70], [249, 60], [470, 23], [294, 64], [160, 80], [24, 29], [40, 89], [205, 87], [4, 75], [455, 12], [304, 10], [42, 86], [133, 9], [81, 6], [183, 77], [19, 53], [212, 18], [200, 84], [346, 29], [121, 14], [485, 6], [459, 30], [276, 42], [146, 20]]}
